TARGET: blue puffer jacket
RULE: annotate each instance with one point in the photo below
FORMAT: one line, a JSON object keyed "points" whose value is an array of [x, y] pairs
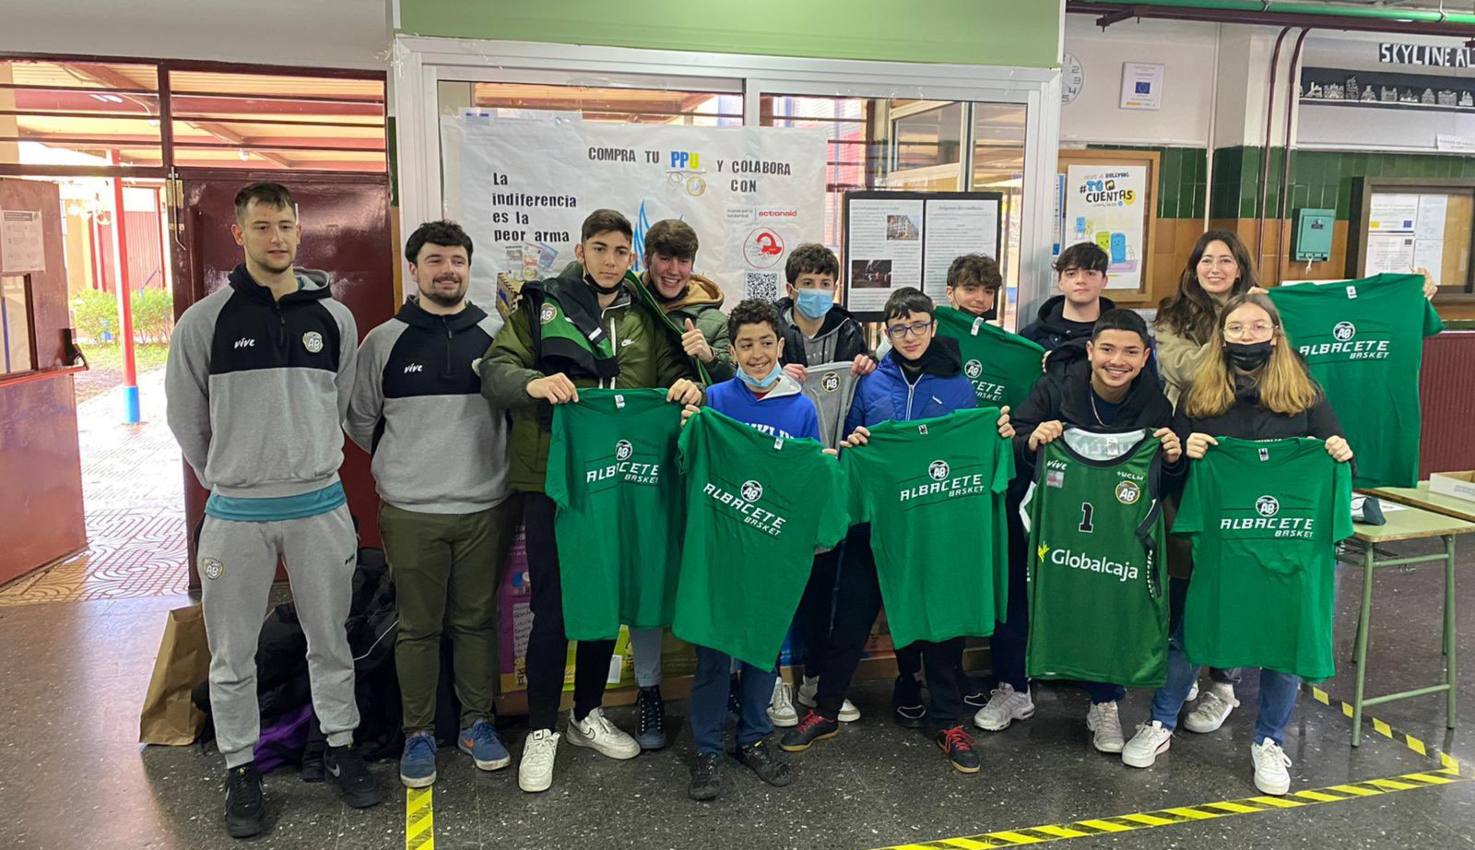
{"points": [[885, 395]]}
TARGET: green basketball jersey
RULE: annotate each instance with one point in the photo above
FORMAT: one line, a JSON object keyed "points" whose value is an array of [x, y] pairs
{"points": [[1097, 611], [1264, 517], [933, 492], [1363, 340], [1001, 366], [757, 509], [612, 472]]}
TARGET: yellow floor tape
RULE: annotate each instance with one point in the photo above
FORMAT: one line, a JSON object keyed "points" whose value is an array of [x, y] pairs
{"points": [[1445, 759], [1188, 814], [419, 819]]}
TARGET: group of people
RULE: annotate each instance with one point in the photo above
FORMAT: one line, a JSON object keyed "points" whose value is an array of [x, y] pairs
{"points": [[456, 408]]}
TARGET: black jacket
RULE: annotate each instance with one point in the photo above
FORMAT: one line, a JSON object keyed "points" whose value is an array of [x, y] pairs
{"points": [[1051, 329], [849, 338], [1067, 397], [1247, 420]]}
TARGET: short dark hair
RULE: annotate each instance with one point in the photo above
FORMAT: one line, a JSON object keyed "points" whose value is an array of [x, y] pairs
{"points": [[811, 258], [605, 221], [975, 270], [1121, 319], [1086, 256], [671, 237], [754, 311], [442, 232], [908, 299], [270, 194]]}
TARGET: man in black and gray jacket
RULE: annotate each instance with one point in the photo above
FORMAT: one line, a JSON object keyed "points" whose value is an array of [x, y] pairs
{"points": [[440, 466], [257, 384]]}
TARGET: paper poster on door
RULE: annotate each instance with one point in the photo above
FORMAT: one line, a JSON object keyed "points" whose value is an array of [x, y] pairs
{"points": [[1105, 205]]}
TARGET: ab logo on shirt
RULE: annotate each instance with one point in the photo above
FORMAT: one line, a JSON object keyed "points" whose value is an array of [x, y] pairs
{"points": [[1268, 518], [1345, 346], [624, 468], [987, 391], [941, 480], [746, 503]]}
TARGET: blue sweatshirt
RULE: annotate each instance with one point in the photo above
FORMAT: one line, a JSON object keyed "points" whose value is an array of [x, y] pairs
{"points": [[784, 411], [886, 394]]}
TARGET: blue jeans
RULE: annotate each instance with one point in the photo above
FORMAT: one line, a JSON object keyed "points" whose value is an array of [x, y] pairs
{"points": [[1277, 694], [708, 701]]}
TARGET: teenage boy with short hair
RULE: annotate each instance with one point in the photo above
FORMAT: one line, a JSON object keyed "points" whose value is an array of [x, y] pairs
{"points": [[693, 303], [592, 326], [919, 378], [1107, 392], [762, 396], [816, 331], [973, 284], [1068, 317]]}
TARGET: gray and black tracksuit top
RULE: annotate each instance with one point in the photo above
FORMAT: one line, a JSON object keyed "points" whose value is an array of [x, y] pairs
{"points": [[257, 387], [417, 407]]}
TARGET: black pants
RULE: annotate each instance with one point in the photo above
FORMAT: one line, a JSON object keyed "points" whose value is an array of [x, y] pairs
{"points": [[857, 602], [547, 652], [817, 616], [1011, 635]]}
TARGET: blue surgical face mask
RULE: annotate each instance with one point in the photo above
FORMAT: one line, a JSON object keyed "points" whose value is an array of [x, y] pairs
{"points": [[814, 303], [761, 383]]}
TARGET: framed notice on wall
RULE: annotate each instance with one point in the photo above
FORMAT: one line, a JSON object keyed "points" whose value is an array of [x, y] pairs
{"points": [[897, 239], [1402, 224], [1109, 198]]}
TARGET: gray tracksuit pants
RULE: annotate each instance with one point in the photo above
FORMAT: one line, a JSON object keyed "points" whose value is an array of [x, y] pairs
{"points": [[237, 563]]}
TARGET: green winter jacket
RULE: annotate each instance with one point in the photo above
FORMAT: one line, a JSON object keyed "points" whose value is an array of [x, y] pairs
{"points": [[646, 351], [702, 303]]}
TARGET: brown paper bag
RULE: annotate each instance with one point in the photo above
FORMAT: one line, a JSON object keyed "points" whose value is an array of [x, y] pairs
{"points": [[169, 717]]}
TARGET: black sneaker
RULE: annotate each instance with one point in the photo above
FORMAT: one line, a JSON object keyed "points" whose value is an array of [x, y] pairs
{"points": [[770, 766], [706, 777], [814, 727], [907, 708], [243, 807], [651, 734], [346, 769], [957, 744]]}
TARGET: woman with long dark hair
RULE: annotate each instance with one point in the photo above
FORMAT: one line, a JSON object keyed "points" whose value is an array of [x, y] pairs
{"points": [[1219, 268]]}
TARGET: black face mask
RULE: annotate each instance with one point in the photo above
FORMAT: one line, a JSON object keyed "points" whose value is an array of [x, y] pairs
{"points": [[1248, 356], [594, 284]]}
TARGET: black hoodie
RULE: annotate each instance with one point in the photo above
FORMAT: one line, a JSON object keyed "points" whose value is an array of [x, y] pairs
{"points": [[1067, 397], [1051, 329], [840, 338]]}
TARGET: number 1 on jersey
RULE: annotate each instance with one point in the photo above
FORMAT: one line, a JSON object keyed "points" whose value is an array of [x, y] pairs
{"points": [[1086, 511]]}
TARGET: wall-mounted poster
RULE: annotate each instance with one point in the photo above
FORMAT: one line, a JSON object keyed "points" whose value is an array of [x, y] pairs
{"points": [[897, 239], [1104, 204], [522, 188]]}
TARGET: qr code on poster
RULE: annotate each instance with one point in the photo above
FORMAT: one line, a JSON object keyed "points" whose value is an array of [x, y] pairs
{"points": [[762, 285]]}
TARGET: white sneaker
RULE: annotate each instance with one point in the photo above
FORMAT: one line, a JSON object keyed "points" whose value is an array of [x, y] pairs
{"points": [[535, 771], [1102, 720], [1212, 710], [1150, 741], [781, 710], [1192, 692], [1271, 762], [810, 686], [602, 736], [1005, 705]]}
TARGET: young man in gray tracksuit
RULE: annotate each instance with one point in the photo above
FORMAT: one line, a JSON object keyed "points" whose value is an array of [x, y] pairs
{"points": [[440, 466], [257, 383]]}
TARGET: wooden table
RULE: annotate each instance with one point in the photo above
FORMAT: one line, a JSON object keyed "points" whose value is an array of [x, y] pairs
{"points": [[1419, 496], [1413, 523]]}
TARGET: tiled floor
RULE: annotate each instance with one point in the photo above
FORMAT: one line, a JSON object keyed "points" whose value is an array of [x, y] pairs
{"points": [[131, 487]]}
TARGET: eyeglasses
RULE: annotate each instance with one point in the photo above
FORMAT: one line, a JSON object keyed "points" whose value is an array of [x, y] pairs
{"points": [[904, 331], [1239, 329]]}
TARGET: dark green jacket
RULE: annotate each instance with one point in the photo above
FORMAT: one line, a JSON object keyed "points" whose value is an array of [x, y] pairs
{"points": [[645, 349], [702, 303]]}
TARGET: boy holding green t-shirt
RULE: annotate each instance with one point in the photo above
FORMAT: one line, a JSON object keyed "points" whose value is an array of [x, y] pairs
{"points": [[594, 326]]}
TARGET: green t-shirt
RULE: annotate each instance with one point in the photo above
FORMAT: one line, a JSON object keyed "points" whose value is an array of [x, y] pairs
{"points": [[1363, 340], [1264, 517], [612, 472], [1097, 611], [1000, 365], [933, 492], [757, 508]]}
